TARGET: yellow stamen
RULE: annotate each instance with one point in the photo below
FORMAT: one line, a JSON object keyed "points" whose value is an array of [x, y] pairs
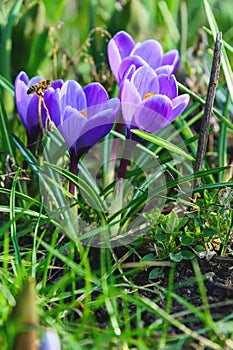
{"points": [[83, 113], [149, 94]]}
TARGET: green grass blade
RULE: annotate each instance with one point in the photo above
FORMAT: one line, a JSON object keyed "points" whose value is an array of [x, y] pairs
{"points": [[169, 318], [5, 131], [6, 84], [21, 195], [13, 220], [28, 156], [139, 202], [34, 247], [166, 324], [202, 102], [208, 318], [169, 20], [93, 197], [222, 141], [225, 61], [162, 143]]}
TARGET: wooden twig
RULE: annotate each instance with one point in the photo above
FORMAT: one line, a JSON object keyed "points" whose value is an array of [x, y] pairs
{"points": [[204, 130]]}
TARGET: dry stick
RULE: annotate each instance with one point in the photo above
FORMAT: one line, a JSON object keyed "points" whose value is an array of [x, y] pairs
{"points": [[204, 130]]}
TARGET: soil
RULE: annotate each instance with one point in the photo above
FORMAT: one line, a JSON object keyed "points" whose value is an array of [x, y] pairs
{"points": [[218, 280]]}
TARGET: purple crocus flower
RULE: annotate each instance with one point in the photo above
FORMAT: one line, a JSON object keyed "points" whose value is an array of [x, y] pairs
{"points": [[82, 115], [150, 101], [123, 54], [27, 104]]}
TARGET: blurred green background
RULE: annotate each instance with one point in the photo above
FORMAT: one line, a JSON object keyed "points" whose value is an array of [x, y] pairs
{"points": [[68, 39]]}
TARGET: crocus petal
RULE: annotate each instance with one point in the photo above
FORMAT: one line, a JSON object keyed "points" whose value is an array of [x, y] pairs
{"points": [[146, 81], [72, 95], [129, 93], [91, 137], [22, 76], [171, 58], [53, 103], [32, 121], [102, 114], [21, 98], [130, 99], [124, 42], [57, 84], [95, 94], [119, 47], [71, 126], [34, 80], [27, 106], [168, 86], [99, 125], [164, 70], [179, 104], [32, 117], [153, 114], [151, 51], [32, 112], [135, 61], [129, 72]]}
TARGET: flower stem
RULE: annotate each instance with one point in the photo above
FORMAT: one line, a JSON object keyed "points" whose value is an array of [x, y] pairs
{"points": [[117, 202], [110, 171], [73, 170], [125, 159]]}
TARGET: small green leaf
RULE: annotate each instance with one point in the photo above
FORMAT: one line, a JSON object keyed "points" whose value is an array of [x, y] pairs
{"points": [[200, 251], [209, 232], [148, 257], [197, 222], [156, 273], [182, 222], [162, 237], [177, 257], [187, 254], [186, 240], [172, 221]]}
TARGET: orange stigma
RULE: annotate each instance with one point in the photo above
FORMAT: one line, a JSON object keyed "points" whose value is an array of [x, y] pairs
{"points": [[83, 113], [149, 94]]}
